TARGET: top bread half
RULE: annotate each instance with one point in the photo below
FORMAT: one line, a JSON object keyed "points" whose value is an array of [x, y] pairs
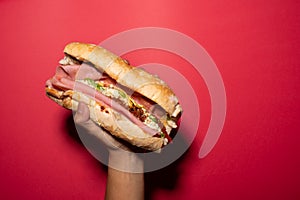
{"points": [[134, 78]]}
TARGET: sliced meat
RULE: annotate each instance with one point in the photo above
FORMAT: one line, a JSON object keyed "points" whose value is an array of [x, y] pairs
{"points": [[64, 79]]}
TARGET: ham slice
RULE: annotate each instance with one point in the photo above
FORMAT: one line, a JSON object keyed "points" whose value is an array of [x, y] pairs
{"points": [[65, 77]]}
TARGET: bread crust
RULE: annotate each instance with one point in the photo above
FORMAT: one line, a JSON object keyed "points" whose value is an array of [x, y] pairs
{"points": [[136, 79], [114, 122]]}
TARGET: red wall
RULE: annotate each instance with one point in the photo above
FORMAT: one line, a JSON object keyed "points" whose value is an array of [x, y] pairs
{"points": [[255, 45]]}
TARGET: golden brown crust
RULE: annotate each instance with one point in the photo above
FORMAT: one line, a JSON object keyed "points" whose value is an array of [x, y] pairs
{"points": [[114, 122], [134, 78]]}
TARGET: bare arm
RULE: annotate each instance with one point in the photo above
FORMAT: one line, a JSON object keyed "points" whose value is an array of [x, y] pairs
{"points": [[121, 184]]}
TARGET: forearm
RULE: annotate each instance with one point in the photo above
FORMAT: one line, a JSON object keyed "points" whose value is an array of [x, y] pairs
{"points": [[125, 183]]}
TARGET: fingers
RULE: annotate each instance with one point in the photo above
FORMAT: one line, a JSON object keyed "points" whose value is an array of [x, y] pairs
{"points": [[86, 126]]}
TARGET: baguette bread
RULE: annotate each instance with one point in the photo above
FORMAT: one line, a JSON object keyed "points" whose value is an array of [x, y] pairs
{"points": [[134, 78], [126, 125]]}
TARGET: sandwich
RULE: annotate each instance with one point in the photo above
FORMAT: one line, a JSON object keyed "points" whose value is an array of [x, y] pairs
{"points": [[127, 102]]}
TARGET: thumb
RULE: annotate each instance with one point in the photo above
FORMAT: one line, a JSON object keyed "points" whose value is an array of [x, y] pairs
{"points": [[82, 114], [86, 127], [82, 120]]}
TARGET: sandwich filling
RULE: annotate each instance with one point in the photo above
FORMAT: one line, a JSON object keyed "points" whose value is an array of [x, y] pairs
{"points": [[150, 117]]}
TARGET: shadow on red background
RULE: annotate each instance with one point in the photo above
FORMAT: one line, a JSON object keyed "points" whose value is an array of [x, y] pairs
{"points": [[162, 179]]}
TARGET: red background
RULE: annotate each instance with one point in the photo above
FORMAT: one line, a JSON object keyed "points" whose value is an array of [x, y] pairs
{"points": [[255, 45]]}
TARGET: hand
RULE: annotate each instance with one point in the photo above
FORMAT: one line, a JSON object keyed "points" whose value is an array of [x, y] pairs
{"points": [[121, 155], [125, 169], [82, 119]]}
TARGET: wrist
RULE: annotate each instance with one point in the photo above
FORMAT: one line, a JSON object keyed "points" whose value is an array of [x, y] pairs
{"points": [[126, 161]]}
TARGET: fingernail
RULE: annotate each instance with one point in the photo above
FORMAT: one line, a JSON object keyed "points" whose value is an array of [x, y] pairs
{"points": [[80, 108]]}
